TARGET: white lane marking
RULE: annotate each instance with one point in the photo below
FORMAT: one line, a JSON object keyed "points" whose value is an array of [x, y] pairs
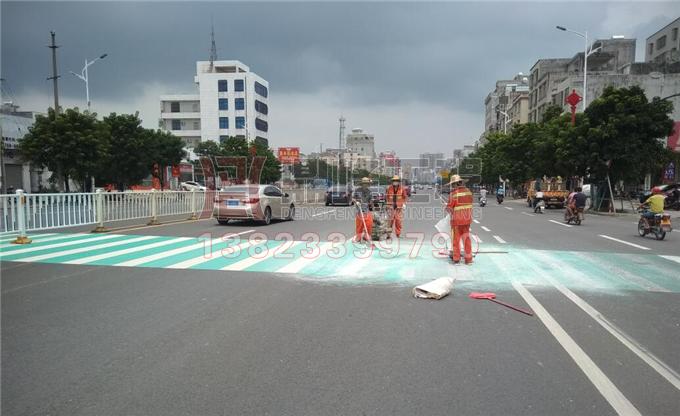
{"points": [[560, 223], [127, 251], [604, 385], [508, 208], [7, 238], [474, 237], [297, 265], [57, 245], [250, 261], [323, 213], [476, 222], [485, 229], [653, 361], [624, 242], [500, 240], [526, 213], [84, 249], [203, 259], [164, 254], [671, 258]]}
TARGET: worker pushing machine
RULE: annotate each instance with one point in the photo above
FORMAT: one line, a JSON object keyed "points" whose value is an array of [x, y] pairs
{"points": [[460, 209], [396, 200], [363, 221]]}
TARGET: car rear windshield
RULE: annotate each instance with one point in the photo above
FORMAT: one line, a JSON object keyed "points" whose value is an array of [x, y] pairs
{"points": [[241, 189]]}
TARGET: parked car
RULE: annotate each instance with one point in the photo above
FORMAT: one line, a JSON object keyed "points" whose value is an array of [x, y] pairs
{"points": [[191, 186], [671, 191], [253, 202], [339, 194]]}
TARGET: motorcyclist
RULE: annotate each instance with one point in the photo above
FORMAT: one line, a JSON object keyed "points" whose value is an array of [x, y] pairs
{"points": [[482, 193], [652, 206], [500, 193]]}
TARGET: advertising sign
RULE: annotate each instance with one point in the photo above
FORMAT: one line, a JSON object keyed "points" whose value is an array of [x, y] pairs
{"points": [[289, 155]]}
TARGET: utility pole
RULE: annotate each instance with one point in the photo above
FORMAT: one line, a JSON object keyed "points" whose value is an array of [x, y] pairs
{"points": [[340, 146], [3, 189], [54, 76]]}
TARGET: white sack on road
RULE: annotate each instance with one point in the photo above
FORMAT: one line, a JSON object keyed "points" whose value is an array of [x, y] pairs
{"points": [[444, 227], [435, 289]]}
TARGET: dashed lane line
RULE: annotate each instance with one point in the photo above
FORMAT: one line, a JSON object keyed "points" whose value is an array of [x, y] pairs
{"points": [[624, 242], [604, 385], [526, 213], [500, 240], [485, 229], [476, 222], [560, 223], [671, 258], [508, 208], [323, 213]]}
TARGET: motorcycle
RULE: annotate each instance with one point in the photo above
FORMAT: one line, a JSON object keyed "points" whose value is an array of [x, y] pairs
{"points": [[499, 198], [659, 225], [575, 215], [482, 201], [539, 206]]}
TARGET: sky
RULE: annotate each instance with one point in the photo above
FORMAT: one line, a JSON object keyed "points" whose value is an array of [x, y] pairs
{"points": [[415, 74]]}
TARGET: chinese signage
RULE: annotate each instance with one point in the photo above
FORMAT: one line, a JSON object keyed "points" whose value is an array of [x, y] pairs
{"points": [[289, 155]]}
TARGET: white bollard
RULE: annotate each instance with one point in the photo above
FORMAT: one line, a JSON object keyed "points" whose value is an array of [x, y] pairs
{"points": [[21, 218], [193, 205], [154, 211], [99, 211]]}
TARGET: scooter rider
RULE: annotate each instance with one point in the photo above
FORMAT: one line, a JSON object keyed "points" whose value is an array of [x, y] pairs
{"points": [[363, 221], [482, 194], [500, 193]]}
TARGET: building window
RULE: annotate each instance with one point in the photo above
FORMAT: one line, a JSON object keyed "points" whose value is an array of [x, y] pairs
{"points": [[174, 107], [239, 104], [240, 122], [261, 125], [651, 48], [261, 107], [238, 85], [177, 124], [261, 89], [222, 85], [224, 139], [223, 104], [197, 125], [224, 122], [675, 33], [661, 42]]}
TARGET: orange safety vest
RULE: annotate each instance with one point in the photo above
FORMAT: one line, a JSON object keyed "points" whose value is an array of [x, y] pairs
{"points": [[400, 195], [460, 206]]}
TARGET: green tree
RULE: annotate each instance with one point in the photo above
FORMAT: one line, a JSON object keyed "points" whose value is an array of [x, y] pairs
{"points": [[127, 162], [165, 149], [624, 134], [271, 171], [72, 145], [207, 148]]}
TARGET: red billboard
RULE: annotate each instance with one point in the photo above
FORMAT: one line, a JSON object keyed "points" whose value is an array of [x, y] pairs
{"points": [[289, 155], [674, 138]]}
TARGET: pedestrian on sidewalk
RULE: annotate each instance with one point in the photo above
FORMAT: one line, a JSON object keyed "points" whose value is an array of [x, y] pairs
{"points": [[460, 209]]}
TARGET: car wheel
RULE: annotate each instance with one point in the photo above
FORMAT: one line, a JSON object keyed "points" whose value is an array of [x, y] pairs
{"points": [[291, 213], [267, 216], [223, 222]]}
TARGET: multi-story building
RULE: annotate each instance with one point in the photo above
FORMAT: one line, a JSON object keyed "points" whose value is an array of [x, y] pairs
{"points": [[499, 101], [231, 101], [361, 143], [551, 80], [664, 45]]}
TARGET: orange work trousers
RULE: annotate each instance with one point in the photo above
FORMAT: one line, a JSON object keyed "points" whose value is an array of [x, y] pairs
{"points": [[396, 217], [458, 232], [359, 226]]}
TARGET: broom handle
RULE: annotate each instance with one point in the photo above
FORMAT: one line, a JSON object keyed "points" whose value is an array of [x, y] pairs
{"points": [[507, 305]]}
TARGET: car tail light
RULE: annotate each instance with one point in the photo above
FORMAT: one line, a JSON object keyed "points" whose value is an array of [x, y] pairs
{"points": [[252, 200]]}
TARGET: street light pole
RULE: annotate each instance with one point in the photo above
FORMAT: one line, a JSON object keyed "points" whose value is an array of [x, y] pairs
{"points": [[505, 124], [84, 77], [586, 53]]}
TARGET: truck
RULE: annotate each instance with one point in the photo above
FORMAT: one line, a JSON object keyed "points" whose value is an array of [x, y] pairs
{"points": [[554, 192]]}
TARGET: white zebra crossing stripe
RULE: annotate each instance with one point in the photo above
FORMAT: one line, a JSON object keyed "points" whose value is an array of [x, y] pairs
{"points": [[203, 259], [671, 258], [51, 237], [298, 264], [251, 261], [57, 245], [500, 240], [84, 249], [117, 253], [180, 250]]}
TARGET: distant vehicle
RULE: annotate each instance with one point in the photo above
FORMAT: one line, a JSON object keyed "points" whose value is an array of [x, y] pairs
{"points": [[339, 194], [672, 193], [554, 193], [191, 186], [253, 202], [378, 196]]}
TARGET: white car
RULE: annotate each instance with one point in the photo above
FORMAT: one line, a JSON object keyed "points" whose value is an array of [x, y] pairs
{"points": [[191, 186]]}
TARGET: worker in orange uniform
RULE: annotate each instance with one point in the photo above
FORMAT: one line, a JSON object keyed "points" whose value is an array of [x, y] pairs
{"points": [[460, 209], [363, 221], [396, 200]]}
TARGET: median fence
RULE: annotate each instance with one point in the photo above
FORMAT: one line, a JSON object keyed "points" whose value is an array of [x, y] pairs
{"points": [[24, 212]]}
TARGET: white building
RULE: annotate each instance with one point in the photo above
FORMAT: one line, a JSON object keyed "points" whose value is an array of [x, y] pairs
{"points": [[361, 143], [231, 101]]}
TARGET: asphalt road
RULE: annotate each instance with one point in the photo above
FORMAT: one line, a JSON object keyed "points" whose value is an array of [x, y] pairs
{"points": [[344, 335]]}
